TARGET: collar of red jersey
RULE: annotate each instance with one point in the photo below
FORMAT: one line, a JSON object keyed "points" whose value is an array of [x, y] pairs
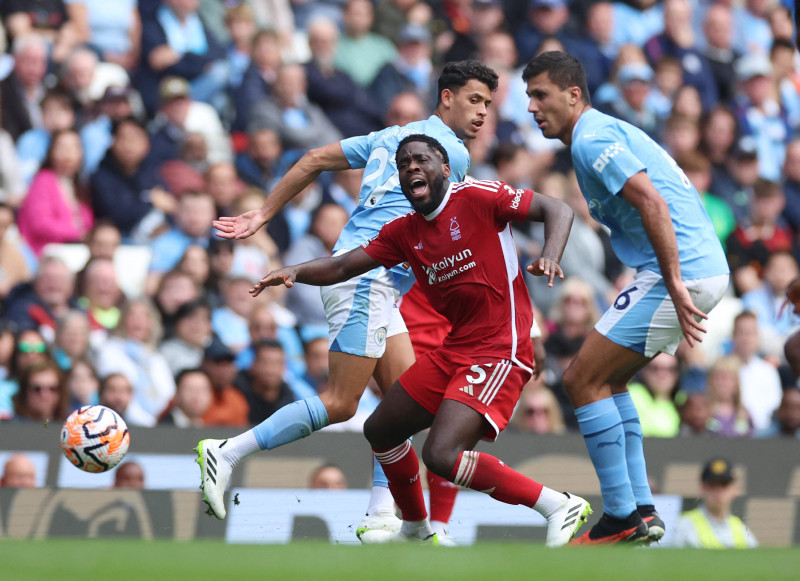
{"points": [[441, 206]]}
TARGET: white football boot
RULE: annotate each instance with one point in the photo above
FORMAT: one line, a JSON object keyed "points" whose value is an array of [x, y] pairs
{"points": [[214, 475], [379, 521], [564, 522]]}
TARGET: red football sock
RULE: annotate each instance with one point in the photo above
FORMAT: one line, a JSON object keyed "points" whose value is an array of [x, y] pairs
{"points": [[443, 497], [401, 467], [487, 474]]}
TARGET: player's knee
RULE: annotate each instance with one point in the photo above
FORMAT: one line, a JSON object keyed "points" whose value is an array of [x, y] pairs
{"points": [[439, 459], [340, 409], [373, 432]]}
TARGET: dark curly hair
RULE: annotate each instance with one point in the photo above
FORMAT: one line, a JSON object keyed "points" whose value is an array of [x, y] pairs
{"points": [[430, 141], [456, 74]]}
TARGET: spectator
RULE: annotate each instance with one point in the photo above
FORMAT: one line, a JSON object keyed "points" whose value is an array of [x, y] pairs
{"points": [[241, 24], [40, 304], [195, 264], [410, 71], [259, 77], [19, 471], [193, 218], [326, 225], [103, 240], [469, 25], [697, 168], [30, 349], [678, 40], [263, 385], [192, 336], [56, 207], [315, 351], [129, 474], [12, 185], [132, 351], [347, 104], [346, 187], [58, 114], [174, 289], [262, 164], [224, 185], [23, 89], [762, 116], [634, 80], [101, 296], [759, 380], [785, 75], [230, 321], [729, 417], [115, 105], [228, 406], [695, 413], [681, 135], [719, 130], [753, 34], [361, 53], [87, 78], [180, 118], [712, 525], [654, 397], [786, 422], [175, 41], [327, 477], [115, 31], [538, 411], [83, 386], [13, 266], [734, 179], [758, 238], [391, 15], [791, 185], [287, 111], [59, 24], [72, 341], [403, 109], [127, 189], [193, 397], [765, 301], [116, 392], [42, 395], [718, 30], [8, 386]]}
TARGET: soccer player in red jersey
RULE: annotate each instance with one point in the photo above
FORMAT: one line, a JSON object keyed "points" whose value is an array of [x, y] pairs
{"points": [[458, 243]]}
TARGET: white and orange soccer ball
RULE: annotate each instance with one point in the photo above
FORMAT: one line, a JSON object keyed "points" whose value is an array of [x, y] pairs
{"points": [[95, 438]]}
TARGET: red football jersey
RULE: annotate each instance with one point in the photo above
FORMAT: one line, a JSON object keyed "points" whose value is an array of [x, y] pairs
{"points": [[466, 264]]}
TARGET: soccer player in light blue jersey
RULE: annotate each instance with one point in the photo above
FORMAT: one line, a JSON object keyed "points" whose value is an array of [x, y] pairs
{"points": [[367, 335], [659, 227]]}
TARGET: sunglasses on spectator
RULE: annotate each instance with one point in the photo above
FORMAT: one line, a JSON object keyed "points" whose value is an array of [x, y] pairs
{"points": [[38, 388], [536, 411], [32, 347]]}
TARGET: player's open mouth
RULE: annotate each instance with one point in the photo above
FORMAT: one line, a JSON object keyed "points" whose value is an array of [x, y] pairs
{"points": [[477, 124], [418, 187]]}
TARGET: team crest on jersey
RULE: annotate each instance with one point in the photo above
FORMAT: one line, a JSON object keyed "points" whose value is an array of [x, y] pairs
{"points": [[380, 335], [455, 229]]}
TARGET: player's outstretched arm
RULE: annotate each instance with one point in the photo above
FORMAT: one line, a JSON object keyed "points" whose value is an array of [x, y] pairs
{"points": [[640, 192], [299, 177], [319, 272], [557, 217]]}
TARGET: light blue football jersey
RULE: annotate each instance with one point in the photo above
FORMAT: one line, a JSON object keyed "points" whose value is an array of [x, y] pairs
{"points": [[381, 199], [606, 152]]}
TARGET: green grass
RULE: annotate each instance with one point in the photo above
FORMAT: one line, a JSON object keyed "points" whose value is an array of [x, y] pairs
{"points": [[117, 560]]}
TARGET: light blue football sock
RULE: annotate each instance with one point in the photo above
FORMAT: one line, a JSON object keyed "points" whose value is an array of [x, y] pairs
{"points": [[378, 476], [634, 448], [601, 426], [291, 422]]}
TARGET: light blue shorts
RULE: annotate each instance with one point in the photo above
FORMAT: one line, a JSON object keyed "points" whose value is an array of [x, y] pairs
{"points": [[643, 317], [362, 313]]}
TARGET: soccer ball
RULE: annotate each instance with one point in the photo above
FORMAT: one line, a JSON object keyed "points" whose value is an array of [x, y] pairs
{"points": [[95, 438]]}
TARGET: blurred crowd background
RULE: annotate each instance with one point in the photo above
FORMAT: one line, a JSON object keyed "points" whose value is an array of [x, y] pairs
{"points": [[127, 127]]}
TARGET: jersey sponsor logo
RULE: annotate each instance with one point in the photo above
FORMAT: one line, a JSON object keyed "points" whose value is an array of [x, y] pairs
{"points": [[455, 229], [450, 262], [608, 154], [468, 390]]}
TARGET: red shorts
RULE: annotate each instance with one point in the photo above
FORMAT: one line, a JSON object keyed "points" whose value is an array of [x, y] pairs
{"points": [[489, 385]]}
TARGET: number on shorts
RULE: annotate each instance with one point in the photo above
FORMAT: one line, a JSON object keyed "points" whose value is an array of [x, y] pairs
{"points": [[624, 299]]}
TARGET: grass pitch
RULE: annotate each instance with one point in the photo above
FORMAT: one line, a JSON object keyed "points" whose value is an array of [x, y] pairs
{"points": [[119, 560]]}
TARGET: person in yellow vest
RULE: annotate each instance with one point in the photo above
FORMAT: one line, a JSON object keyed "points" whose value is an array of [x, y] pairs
{"points": [[711, 525]]}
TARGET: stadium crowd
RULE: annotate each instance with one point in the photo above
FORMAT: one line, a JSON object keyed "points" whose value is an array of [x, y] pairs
{"points": [[127, 127]]}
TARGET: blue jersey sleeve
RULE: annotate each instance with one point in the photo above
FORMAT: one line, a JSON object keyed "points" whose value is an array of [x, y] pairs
{"points": [[607, 157], [357, 150]]}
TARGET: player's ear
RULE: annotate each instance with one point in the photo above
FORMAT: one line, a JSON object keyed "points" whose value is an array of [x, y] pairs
{"points": [[447, 97], [575, 94], [446, 170]]}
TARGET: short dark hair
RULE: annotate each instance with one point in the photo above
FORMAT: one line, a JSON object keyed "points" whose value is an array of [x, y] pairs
{"points": [[130, 119], [563, 69], [456, 74], [267, 344], [427, 139], [191, 371]]}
